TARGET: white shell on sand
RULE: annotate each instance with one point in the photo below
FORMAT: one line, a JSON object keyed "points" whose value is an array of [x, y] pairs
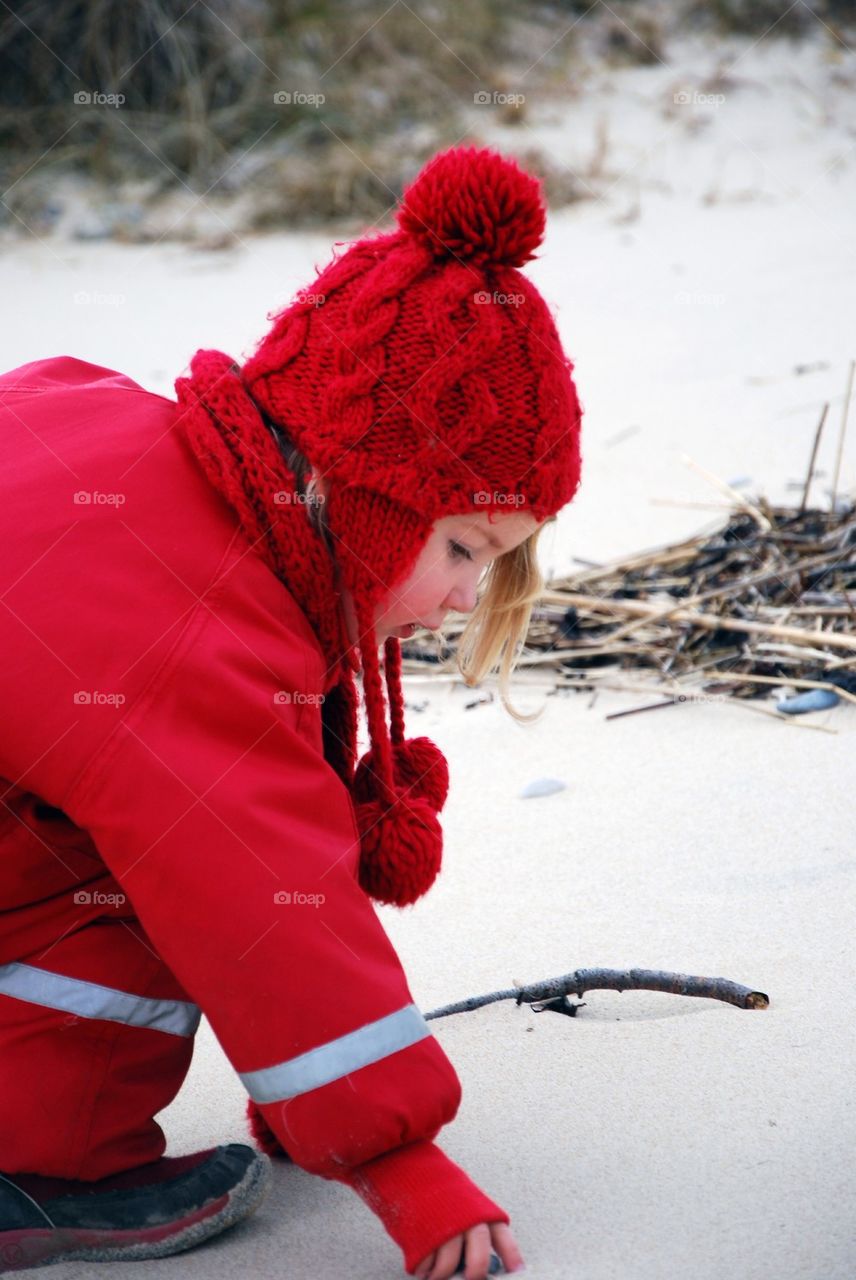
{"points": [[542, 787]]}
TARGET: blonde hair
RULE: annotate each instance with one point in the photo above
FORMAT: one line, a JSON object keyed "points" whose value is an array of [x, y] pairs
{"points": [[496, 631]]}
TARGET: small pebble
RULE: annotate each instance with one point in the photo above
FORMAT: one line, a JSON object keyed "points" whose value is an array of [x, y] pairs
{"points": [[542, 787], [811, 700]]}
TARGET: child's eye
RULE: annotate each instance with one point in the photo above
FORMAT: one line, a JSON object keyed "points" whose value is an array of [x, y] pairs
{"points": [[458, 552]]}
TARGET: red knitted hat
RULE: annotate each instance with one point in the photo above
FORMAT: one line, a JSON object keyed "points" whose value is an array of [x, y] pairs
{"points": [[423, 376]]}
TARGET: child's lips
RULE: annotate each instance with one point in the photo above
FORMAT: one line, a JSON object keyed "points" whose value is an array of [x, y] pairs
{"points": [[409, 628]]}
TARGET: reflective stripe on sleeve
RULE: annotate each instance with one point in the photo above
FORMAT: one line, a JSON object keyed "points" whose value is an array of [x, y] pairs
{"points": [[337, 1058], [90, 1000]]}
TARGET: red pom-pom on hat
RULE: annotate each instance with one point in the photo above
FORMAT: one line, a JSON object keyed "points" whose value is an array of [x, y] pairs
{"points": [[474, 204]]}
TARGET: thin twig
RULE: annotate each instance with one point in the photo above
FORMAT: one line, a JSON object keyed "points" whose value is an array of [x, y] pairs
{"points": [[844, 414], [736, 497], [634, 711], [813, 456]]}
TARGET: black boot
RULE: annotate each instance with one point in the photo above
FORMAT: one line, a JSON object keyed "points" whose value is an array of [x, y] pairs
{"points": [[152, 1211]]}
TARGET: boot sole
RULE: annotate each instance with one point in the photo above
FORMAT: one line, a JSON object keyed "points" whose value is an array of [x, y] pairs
{"points": [[33, 1247]]}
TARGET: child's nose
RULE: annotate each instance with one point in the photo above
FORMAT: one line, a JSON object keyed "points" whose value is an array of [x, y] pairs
{"points": [[463, 597]]}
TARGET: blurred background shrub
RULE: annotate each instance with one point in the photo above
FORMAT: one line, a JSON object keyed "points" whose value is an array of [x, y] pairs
{"points": [[289, 112]]}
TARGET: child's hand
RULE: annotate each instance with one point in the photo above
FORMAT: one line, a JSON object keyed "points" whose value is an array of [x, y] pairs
{"points": [[476, 1244]]}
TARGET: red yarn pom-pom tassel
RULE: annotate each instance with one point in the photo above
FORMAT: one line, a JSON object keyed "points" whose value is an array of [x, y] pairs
{"points": [[401, 849], [420, 768]]}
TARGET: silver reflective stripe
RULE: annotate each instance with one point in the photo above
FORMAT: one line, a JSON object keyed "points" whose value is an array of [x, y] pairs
{"points": [[90, 1000], [337, 1058]]}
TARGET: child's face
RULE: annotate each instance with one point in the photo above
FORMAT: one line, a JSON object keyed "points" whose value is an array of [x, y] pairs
{"points": [[448, 570], [443, 578]]}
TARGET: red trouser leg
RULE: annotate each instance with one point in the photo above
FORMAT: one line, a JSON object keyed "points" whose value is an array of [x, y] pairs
{"points": [[80, 1084]]}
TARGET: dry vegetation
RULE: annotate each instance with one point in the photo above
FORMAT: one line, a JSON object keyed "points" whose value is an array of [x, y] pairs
{"points": [[373, 88]]}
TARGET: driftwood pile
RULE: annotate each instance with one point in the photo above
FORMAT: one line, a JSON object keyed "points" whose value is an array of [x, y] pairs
{"points": [[767, 599]]}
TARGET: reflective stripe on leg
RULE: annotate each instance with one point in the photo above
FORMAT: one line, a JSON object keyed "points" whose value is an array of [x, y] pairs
{"points": [[91, 1000]]}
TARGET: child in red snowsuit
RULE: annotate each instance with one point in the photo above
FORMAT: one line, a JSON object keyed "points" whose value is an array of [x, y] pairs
{"points": [[190, 590]]}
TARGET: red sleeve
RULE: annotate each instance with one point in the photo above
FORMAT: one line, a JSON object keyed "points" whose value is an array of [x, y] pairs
{"points": [[213, 806], [422, 1198]]}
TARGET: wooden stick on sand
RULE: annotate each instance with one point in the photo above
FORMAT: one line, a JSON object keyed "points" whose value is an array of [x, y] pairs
{"points": [[582, 980]]}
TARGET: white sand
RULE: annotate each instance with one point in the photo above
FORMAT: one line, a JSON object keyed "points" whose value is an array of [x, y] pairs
{"points": [[652, 1137]]}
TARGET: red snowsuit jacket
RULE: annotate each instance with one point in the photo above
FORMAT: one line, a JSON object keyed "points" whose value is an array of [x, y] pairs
{"points": [[160, 687]]}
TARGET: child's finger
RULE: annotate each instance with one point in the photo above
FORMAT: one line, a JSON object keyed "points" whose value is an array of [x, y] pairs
{"points": [[424, 1267], [477, 1260], [447, 1258], [502, 1239]]}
